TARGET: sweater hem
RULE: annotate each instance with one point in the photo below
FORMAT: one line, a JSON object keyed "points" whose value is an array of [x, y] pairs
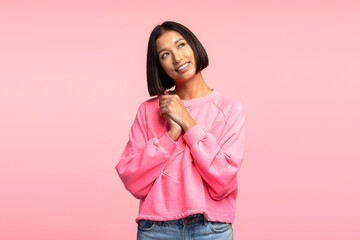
{"points": [[210, 217]]}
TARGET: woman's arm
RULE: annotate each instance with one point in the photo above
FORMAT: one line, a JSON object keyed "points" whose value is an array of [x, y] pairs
{"points": [[143, 159], [218, 161]]}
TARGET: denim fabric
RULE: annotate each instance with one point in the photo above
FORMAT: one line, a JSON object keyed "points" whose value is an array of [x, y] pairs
{"points": [[194, 227]]}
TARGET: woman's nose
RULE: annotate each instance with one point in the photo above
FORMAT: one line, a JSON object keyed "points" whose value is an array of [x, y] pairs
{"points": [[177, 56]]}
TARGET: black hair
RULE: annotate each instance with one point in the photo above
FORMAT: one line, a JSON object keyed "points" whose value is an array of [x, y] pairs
{"points": [[157, 80]]}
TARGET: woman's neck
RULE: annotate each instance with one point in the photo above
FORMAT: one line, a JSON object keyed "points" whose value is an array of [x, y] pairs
{"points": [[192, 88]]}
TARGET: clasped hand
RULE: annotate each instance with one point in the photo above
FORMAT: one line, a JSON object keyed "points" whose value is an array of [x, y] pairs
{"points": [[174, 111]]}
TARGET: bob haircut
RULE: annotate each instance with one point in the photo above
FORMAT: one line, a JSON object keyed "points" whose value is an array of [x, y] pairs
{"points": [[157, 80]]}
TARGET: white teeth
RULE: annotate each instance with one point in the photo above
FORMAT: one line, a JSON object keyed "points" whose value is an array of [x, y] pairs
{"points": [[183, 66]]}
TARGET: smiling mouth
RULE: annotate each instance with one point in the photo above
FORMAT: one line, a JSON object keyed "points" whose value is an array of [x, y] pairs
{"points": [[182, 67]]}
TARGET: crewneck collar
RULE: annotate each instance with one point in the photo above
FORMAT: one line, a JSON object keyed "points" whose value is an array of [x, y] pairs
{"points": [[191, 102]]}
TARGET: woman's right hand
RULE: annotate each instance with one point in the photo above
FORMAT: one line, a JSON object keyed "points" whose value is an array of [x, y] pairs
{"points": [[174, 128]]}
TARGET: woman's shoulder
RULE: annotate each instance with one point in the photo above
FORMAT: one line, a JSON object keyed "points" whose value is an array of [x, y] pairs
{"points": [[228, 103], [151, 101], [149, 104]]}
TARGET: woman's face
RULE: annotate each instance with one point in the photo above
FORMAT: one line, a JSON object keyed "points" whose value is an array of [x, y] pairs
{"points": [[176, 56]]}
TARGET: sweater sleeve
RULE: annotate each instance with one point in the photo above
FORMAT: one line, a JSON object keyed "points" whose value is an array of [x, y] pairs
{"points": [[218, 161], [143, 159]]}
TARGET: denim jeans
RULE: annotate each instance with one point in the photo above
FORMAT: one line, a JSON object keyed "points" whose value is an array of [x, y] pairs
{"points": [[194, 227]]}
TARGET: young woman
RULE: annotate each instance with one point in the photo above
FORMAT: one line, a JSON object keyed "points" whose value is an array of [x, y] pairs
{"points": [[185, 146]]}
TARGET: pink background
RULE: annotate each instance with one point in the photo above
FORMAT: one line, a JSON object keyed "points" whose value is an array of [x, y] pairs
{"points": [[73, 75]]}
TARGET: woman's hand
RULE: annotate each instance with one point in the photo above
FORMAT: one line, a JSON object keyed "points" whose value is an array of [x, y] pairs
{"points": [[175, 129], [173, 107]]}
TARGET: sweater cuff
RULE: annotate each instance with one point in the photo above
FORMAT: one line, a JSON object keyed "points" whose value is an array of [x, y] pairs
{"points": [[194, 135], [166, 143]]}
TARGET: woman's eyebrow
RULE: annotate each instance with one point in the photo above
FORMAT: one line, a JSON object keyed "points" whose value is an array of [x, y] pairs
{"points": [[174, 43]]}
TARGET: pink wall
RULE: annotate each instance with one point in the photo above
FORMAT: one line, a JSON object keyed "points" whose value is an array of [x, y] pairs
{"points": [[73, 74]]}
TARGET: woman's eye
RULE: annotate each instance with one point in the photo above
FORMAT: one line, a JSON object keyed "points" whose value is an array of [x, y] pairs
{"points": [[181, 45], [164, 55]]}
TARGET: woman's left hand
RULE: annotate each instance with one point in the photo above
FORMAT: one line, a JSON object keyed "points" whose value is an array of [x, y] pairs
{"points": [[175, 109]]}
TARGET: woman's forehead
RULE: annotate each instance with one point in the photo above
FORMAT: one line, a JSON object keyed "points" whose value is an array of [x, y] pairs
{"points": [[168, 38]]}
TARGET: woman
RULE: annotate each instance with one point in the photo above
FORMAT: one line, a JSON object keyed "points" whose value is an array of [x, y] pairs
{"points": [[185, 146]]}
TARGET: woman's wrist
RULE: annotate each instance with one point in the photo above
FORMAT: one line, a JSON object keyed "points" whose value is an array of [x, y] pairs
{"points": [[189, 124], [174, 134]]}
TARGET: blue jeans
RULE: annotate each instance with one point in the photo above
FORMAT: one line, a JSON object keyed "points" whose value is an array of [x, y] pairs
{"points": [[194, 227]]}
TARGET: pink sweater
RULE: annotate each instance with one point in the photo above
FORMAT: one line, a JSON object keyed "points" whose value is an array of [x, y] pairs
{"points": [[195, 174]]}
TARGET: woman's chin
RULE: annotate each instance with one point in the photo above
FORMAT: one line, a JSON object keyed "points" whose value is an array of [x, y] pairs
{"points": [[183, 78]]}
